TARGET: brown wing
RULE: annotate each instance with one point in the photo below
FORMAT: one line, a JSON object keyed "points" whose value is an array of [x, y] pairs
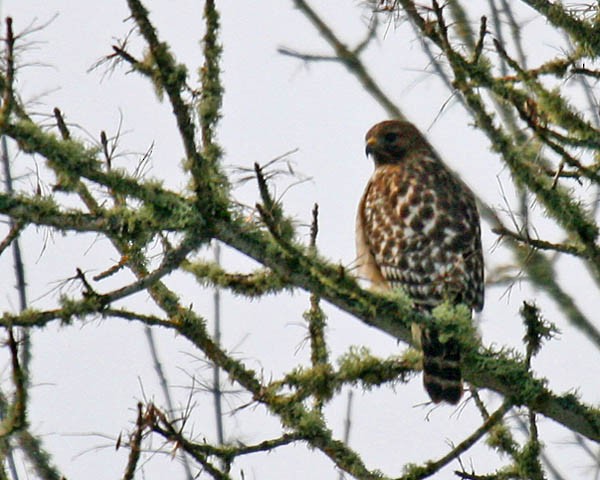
{"points": [[418, 229]]}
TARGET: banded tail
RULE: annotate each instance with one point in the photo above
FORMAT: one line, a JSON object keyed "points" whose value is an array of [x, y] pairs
{"points": [[441, 368]]}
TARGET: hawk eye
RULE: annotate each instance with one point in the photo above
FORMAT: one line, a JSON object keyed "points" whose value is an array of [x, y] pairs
{"points": [[390, 137]]}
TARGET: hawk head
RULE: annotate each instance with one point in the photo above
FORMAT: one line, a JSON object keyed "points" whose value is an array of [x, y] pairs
{"points": [[391, 141]]}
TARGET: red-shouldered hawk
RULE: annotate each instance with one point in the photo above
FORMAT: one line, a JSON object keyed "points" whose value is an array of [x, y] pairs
{"points": [[418, 229]]}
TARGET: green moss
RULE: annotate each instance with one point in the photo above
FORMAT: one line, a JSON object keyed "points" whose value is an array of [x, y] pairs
{"points": [[317, 381], [527, 461], [509, 368], [537, 329], [80, 308], [412, 471], [500, 438], [308, 423], [455, 321], [359, 366]]}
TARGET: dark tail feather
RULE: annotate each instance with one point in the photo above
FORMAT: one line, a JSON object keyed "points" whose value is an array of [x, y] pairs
{"points": [[441, 368]]}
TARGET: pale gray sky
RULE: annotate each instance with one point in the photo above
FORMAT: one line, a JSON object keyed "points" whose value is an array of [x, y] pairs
{"points": [[88, 378]]}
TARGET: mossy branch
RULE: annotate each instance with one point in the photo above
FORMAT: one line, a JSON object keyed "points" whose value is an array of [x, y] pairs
{"points": [[582, 31], [256, 284], [289, 264], [498, 371], [418, 472]]}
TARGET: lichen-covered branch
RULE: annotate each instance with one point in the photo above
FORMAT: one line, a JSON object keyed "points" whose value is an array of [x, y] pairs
{"points": [[142, 212]]}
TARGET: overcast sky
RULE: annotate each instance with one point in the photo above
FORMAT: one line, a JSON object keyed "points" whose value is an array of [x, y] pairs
{"points": [[88, 377]]}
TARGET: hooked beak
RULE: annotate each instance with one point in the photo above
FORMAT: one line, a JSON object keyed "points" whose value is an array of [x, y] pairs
{"points": [[370, 148]]}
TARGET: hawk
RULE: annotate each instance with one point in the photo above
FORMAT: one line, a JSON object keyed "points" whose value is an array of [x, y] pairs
{"points": [[418, 229]]}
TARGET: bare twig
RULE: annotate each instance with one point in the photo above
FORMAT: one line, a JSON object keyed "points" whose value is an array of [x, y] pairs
{"points": [[135, 444], [347, 424], [433, 467], [349, 58], [538, 243], [217, 392]]}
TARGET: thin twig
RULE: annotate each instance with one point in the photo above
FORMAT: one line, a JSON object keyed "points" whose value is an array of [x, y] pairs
{"points": [[433, 467], [350, 59], [135, 445], [347, 423], [538, 243], [552, 469], [217, 392]]}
